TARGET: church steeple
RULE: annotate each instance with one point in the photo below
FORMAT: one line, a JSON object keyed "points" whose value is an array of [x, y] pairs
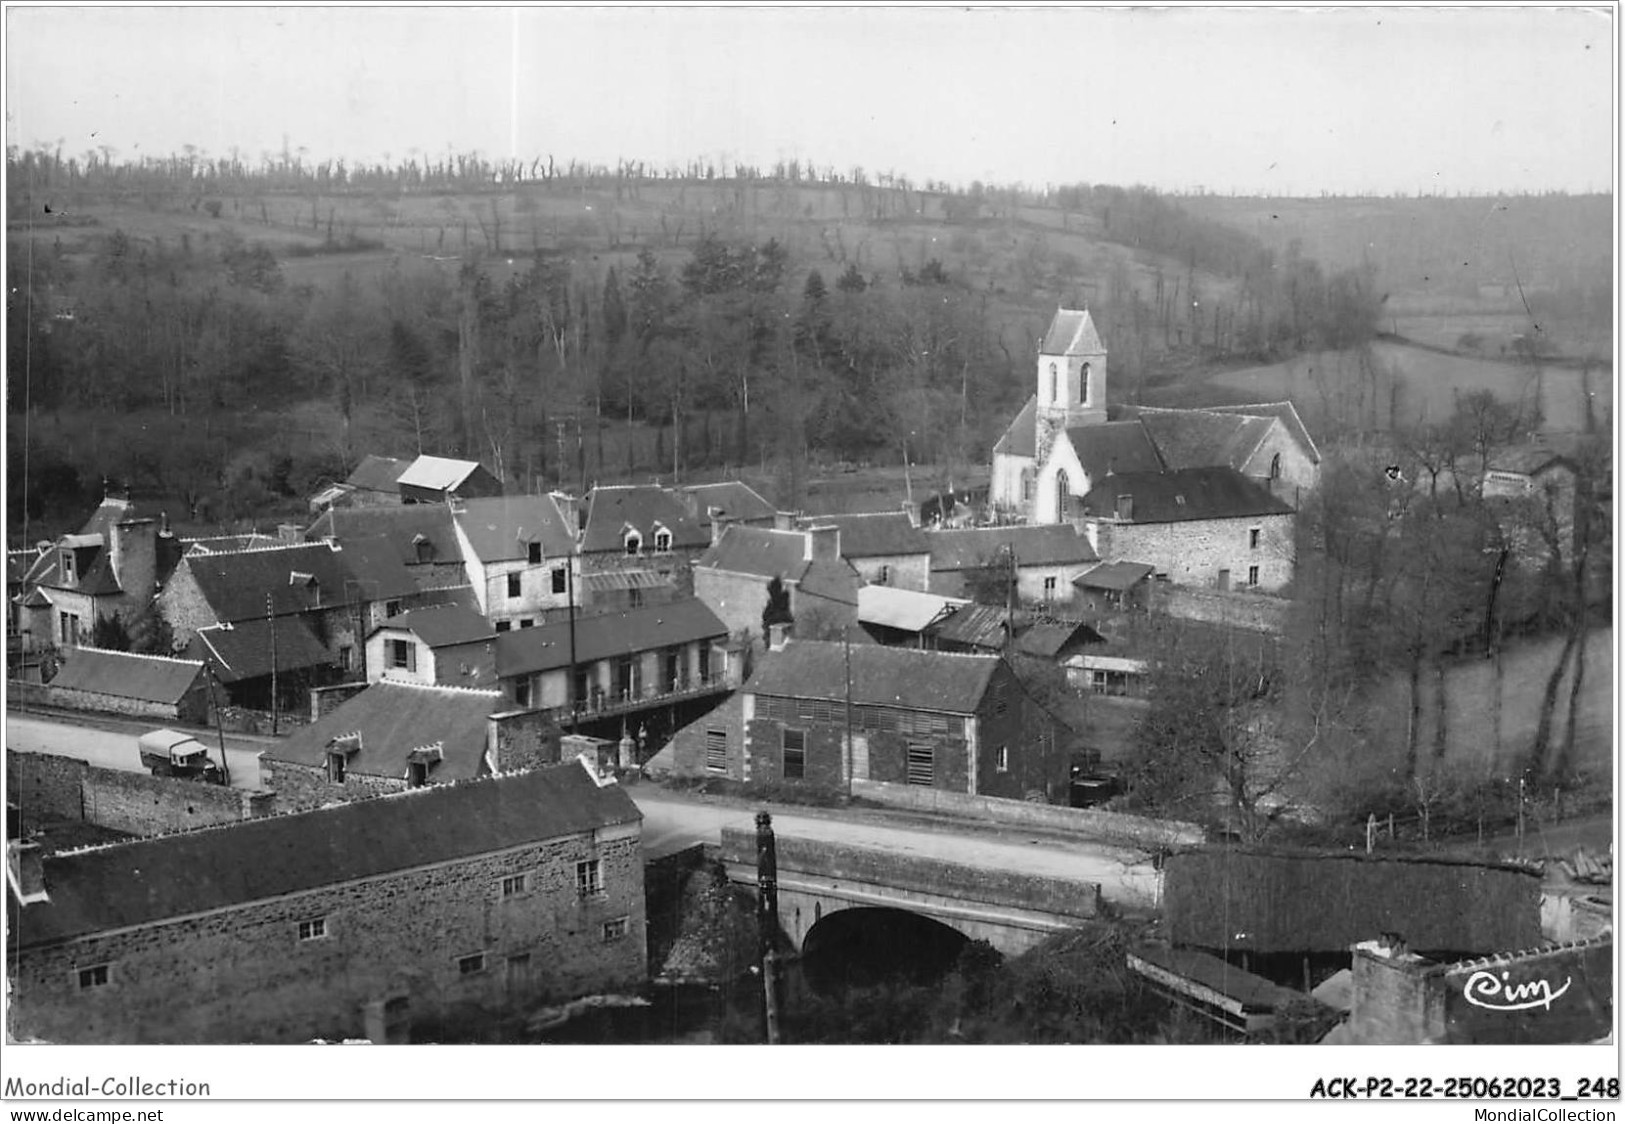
{"points": [[1071, 376]]}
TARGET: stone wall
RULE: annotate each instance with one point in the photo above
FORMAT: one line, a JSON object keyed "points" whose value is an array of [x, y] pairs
{"points": [[522, 739], [325, 699], [845, 863], [1193, 552], [45, 786], [1258, 612], [1088, 823], [686, 750], [247, 977], [900, 571], [141, 804], [300, 788], [736, 599]]}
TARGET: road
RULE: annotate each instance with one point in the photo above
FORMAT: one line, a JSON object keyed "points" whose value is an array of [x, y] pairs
{"points": [[672, 822], [112, 743]]}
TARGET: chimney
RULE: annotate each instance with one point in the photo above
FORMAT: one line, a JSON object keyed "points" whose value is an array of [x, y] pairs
{"points": [[776, 636], [784, 520], [25, 864], [912, 512], [823, 544], [719, 523], [289, 532], [134, 548]]}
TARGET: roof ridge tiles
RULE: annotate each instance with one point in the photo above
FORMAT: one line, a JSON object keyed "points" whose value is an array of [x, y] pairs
{"points": [[141, 655]]}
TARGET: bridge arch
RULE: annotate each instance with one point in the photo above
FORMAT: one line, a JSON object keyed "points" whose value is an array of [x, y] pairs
{"points": [[866, 945]]}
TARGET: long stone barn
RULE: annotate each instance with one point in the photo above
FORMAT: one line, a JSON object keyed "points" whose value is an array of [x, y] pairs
{"points": [[433, 914]]}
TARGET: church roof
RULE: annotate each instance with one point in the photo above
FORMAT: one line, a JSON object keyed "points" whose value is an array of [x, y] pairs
{"points": [[1286, 411], [1201, 438], [1021, 439], [1191, 493], [1072, 332], [1122, 446]]}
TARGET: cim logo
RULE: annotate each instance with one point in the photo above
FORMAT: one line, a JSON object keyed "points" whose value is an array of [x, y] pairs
{"points": [[1494, 993]]}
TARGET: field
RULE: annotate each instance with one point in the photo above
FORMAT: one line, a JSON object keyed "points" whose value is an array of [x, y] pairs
{"points": [[1490, 726], [1322, 385]]}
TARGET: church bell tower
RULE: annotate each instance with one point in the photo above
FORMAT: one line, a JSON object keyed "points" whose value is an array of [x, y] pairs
{"points": [[1071, 377]]}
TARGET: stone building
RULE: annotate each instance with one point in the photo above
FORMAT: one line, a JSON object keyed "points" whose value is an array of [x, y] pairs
{"points": [[425, 915], [397, 736], [422, 535], [519, 552], [732, 577], [886, 548], [960, 723]]}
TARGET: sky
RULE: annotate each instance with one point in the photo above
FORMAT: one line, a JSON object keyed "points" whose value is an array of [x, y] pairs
{"points": [[1290, 101]]}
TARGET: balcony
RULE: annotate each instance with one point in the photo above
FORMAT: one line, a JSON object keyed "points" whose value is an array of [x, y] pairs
{"points": [[600, 703]]}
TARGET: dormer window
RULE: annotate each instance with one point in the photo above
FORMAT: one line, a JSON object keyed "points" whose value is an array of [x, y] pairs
{"points": [[67, 566], [1125, 507], [533, 553], [662, 540], [634, 542], [423, 548]]}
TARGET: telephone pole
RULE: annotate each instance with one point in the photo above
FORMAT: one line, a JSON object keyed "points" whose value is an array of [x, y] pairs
{"points": [[270, 622]]}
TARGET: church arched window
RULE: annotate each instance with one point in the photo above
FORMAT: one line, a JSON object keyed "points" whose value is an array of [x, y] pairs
{"points": [[1083, 386], [1063, 491], [1054, 384], [1275, 467]]}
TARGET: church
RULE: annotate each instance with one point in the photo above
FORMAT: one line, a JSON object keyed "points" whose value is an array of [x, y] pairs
{"points": [[1205, 497]]}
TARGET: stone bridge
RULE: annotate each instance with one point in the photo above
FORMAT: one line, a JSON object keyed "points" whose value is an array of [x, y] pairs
{"points": [[1012, 911]]}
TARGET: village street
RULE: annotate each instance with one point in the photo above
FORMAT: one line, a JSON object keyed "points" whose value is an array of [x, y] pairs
{"points": [[111, 742]]}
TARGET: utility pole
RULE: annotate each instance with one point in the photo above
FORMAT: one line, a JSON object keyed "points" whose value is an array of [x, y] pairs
{"points": [[270, 621], [767, 920], [851, 757], [570, 681], [219, 729]]}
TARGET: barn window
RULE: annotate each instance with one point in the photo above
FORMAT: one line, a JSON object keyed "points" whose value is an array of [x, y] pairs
{"points": [[921, 764], [716, 751]]}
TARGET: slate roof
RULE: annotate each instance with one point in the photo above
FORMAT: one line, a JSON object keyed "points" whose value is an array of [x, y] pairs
{"points": [[1020, 439], [1120, 446], [151, 880], [400, 525], [93, 569], [980, 626], [611, 509], [1049, 639], [877, 535], [436, 474], [1174, 497], [500, 527], [1071, 332], [1200, 438], [738, 501], [1252, 994], [125, 675], [236, 584], [1055, 544], [546, 647], [1286, 411], [1279, 900], [378, 474], [1527, 460], [439, 626], [1114, 575], [904, 609], [393, 720], [761, 551], [243, 650], [900, 677]]}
